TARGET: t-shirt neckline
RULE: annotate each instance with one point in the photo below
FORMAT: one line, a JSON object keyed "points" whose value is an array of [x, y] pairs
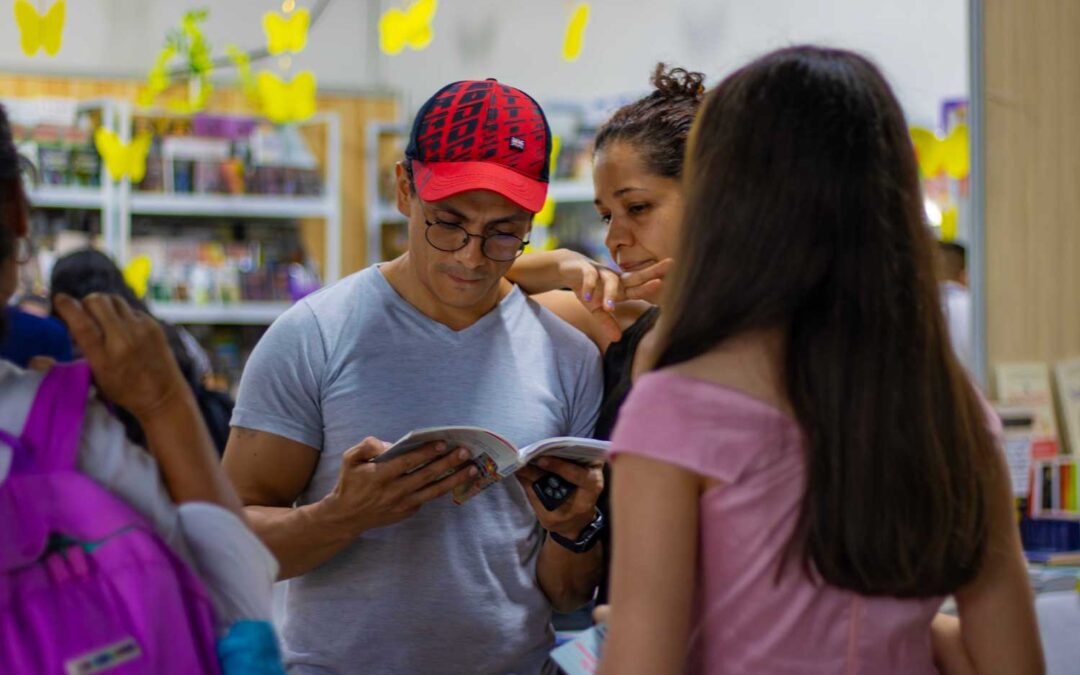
{"points": [[509, 303]]}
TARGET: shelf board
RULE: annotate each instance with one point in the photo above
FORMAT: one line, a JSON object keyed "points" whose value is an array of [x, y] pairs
{"points": [[571, 191], [233, 313], [66, 197], [388, 213], [254, 206]]}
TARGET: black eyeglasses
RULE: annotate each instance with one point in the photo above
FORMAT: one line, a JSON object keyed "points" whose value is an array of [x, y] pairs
{"points": [[448, 237]]}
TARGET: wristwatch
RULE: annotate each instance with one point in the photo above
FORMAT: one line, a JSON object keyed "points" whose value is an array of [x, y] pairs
{"points": [[588, 537]]}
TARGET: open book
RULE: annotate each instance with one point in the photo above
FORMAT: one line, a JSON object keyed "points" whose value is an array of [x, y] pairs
{"points": [[494, 456]]}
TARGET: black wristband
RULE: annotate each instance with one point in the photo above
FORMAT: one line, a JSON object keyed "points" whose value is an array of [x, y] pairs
{"points": [[588, 537]]}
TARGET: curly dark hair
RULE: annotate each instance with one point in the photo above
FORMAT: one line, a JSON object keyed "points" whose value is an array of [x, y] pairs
{"points": [[659, 124]]}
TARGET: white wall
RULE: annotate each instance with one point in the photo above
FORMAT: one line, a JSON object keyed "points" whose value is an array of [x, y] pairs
{"points": [[920, 44]]}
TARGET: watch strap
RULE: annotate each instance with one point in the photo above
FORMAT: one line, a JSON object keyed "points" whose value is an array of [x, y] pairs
{"points": [[588, 537]]}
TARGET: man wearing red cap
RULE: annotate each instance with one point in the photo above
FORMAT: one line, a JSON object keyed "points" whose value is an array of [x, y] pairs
{"points": [[387, 575]]}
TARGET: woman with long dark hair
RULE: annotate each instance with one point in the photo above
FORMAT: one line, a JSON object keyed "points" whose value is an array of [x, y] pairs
{"points": [[809, 471]]}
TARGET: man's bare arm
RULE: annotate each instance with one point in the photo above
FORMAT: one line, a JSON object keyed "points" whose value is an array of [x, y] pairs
{"points": [[270, 472]]}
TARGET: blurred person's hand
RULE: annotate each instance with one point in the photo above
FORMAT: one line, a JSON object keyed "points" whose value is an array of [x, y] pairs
{"points": [[41, 364], [132, 364]]}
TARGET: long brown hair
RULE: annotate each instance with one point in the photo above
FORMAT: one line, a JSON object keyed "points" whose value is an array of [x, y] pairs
{"points": [[804, 212]]}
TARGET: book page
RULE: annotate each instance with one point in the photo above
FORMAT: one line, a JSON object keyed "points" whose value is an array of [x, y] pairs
{"points": [[493, 455], [581, 656], [1029, 384], [581, 450], [479, 441]]}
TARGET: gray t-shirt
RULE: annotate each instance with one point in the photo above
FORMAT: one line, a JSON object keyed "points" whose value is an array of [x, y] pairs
{"points": [[452, 589]]}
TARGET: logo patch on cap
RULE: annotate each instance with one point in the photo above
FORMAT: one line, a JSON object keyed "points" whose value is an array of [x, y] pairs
{"points": [[517, 144]]}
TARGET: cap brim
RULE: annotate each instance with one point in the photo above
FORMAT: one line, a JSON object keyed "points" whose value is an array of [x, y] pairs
{"points": [[439, 180]]}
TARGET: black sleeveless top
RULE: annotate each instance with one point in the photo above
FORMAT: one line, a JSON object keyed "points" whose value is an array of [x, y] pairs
{"points": [[618, 367]]}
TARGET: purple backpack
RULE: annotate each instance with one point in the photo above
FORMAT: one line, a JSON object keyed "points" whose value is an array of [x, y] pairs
{"points": [[86, 585]]}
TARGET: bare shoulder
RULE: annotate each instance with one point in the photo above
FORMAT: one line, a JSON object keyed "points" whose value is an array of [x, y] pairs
{"points": [[751, 364]]}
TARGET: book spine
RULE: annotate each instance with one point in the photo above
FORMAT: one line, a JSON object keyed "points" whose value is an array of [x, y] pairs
{"points": [[1048, 534]]}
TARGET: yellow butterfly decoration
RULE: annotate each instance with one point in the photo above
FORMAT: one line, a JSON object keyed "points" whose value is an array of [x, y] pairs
{"points": [[242, 61], [286, 101], [137, 275], [950, 223], [123, 160], [198, 93], [546, 215], [189, 43], [286, 34], [410, 28], [949, 155], [40, 31], [556, 145], [575, 33]]}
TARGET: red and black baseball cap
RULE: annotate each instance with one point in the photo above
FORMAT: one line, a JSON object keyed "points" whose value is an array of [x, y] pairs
{"points": [[481, 135]]}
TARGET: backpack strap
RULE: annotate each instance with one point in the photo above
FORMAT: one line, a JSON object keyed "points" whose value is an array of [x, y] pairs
{"points": [[12, 442], [53, 429]]}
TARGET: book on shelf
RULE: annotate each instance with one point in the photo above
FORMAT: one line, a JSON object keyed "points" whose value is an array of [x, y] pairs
{"points": [[1018, 426], [1054, 487], [494, 456], [1067, 379], [1055, 534], [1051, 578], [1054, 558], [1028, 383]]}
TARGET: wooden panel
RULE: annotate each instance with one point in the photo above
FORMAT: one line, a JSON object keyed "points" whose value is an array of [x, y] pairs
{"points": [[1032, 112], [354, 111]]}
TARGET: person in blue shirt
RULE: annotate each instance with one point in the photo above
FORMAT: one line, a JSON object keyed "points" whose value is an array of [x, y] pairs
{"points": [[29, 336]]}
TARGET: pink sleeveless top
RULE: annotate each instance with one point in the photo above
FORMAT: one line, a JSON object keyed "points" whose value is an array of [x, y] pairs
{"points": [[744, 622]]}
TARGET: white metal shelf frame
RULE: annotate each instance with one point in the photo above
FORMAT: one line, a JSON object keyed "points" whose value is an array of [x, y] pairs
{"points": [[327, 206], [378, 211], [250, 313], [240, 206], [101, 198], [118, 202]]}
